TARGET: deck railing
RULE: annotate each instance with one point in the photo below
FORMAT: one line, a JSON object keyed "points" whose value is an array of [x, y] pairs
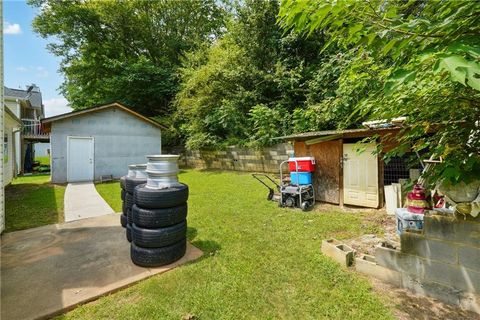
{"points": [[33, 129]]}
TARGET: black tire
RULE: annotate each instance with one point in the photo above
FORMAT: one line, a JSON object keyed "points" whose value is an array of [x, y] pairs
{"points": [[131, 183], [122, 194], [129, 200], [123, 220], [158, 218], [127, 212], [160, 198], [160, 237], [122, 182], [156, 257], [128, 232]]}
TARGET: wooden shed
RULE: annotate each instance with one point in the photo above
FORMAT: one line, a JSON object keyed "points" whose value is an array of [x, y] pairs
{"points": [[345, 176]]}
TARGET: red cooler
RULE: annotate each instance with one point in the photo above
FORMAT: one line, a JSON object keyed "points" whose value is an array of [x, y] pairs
{"points": [[305, 164]]}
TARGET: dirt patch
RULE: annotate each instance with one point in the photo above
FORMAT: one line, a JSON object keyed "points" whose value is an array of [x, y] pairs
{"points": [[405, 304], [386, 227]]}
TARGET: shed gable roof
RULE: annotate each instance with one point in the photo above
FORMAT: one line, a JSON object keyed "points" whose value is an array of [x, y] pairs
{"points": [[48, 121]]}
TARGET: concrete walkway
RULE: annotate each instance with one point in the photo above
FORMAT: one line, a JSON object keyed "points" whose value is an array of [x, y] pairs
{"points": [[83, 201], [49, 270]]}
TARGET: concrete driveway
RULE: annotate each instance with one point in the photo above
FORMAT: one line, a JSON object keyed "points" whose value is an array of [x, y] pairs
{"points": [[48, 270]]}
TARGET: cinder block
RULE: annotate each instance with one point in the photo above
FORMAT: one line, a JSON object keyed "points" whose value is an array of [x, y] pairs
{"points": [[439, 226], [338, 251], [366, 264], [398, 261], [467, 232], [454, 276], [417, 244], [431, 289], [469, 257]]}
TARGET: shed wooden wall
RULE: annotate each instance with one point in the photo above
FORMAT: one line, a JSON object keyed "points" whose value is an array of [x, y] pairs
{"points": [[327, 179]]}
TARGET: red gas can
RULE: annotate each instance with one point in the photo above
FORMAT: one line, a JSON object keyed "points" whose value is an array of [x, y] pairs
{"points": [[301, 164]]}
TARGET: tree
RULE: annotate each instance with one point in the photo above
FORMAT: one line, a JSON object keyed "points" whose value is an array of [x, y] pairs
{"points": [[126, 51], [426, 55], [244, 88]]}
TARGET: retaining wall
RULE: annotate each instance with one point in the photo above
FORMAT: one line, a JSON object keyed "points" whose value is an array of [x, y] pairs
{"points": [[442, 262], [238, 159]]}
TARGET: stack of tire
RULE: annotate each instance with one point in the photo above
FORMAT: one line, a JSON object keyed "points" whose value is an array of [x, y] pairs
{"points": [[136, 176], [159, 229]]}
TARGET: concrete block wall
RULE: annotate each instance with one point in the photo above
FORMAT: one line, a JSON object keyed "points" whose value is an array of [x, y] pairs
{"points": [[238, 159], [443, 261]]}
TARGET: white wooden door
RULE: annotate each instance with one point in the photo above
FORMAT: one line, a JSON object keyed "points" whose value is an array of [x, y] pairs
{"points": [[80, 159], [360, 176]]}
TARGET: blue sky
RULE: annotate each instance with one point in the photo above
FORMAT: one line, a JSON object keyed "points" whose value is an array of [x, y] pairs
{"points": [[26, 58]]}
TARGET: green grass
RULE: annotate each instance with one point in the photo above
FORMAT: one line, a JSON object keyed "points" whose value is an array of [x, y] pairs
{"points": [[110, 191], [44, 161], [31, 201], [260, 262]]}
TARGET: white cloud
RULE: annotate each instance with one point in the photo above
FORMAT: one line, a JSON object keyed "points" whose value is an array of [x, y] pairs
{"points": [[41, 72], [22, 69], [56, 106], [11, 28]]}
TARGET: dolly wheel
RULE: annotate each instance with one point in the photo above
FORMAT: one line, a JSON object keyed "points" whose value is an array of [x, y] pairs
{"points": [[305, 206]]}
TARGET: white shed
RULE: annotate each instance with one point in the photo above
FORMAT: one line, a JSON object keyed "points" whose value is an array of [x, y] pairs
{"points": [[89, 144]]}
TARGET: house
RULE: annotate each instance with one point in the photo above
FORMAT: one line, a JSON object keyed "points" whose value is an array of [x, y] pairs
{"points": [[27, 106], [345, 176], [89, 144], [11, 125]]}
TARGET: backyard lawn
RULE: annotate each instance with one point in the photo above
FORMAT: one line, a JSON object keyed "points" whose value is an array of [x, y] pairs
{"points": [[44, 161], [260, 262], [31, 201]]}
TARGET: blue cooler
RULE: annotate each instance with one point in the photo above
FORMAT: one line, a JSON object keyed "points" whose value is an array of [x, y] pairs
{"points": [[407, 220], [300, 177]]}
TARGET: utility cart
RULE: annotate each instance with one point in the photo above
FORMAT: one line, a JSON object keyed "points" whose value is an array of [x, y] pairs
{"points": [[295, 191]]}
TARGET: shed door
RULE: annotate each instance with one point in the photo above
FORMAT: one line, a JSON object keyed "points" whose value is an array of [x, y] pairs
{"points": [[360, 176], [80, 159]]}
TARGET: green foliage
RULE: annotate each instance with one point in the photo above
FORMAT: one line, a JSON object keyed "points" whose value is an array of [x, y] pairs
{"points": [[125, 51], [257, 83], [420, 59]]}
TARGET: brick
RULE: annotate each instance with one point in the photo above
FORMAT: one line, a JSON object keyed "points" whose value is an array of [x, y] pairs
{"points": [[417, 244], [455, 276], [398, 261], [367, 265], [338, 251], [469, 257]]}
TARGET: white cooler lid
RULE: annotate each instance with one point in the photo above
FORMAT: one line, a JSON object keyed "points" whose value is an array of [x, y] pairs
{"points": [[301, 159]]}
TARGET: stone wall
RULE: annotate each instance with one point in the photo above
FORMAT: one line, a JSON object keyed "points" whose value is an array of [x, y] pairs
{"points": [[442, 262], [238, 159]]}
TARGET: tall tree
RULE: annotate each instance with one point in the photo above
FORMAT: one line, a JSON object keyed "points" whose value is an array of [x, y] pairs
{"points": [[244, 88], [426, 58], [126, 51]]}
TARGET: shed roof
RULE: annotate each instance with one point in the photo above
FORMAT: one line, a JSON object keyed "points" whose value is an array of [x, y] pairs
{"points": [[337, 134], [48, 121]]}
